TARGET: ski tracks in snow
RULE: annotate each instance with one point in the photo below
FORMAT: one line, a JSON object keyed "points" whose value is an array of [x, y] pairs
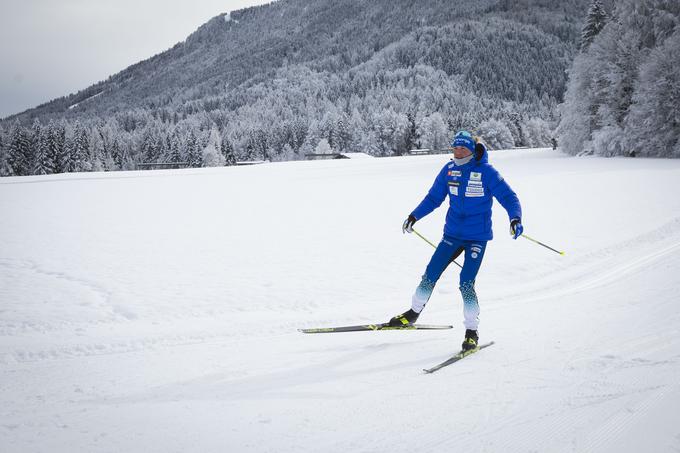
{"points": [[602, 266]]}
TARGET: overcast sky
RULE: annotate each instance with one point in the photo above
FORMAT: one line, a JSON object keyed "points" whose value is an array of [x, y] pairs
{"points": [[51, 48]]}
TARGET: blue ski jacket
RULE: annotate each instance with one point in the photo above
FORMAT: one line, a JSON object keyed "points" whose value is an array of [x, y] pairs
{"points": [[471, 188]]}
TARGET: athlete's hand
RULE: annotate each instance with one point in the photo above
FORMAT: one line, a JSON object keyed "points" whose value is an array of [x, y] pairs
{"points": [[407, 226], [516, 228]]}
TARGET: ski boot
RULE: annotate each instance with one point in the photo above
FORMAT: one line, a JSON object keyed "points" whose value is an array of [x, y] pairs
{"points": [[405, 319], [471, 340]]}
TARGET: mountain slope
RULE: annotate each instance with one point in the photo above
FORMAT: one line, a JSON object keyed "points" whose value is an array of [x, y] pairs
{"points": [[275, 81], [334, 35]]}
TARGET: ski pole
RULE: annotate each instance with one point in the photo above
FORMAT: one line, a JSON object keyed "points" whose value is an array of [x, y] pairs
{"points": [[540, 243], [425, 239]]}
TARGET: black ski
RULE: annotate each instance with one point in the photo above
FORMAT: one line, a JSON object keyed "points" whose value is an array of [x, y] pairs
{"points": [[461, 355], [368, 327]]}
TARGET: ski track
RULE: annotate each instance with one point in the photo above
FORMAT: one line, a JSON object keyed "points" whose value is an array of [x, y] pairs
{"points": [[603, 266]]}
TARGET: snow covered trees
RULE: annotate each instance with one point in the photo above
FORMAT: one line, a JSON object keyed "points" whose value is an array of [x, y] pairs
{"points": [[193, 150], [4, 165], [622, 95], [433, 132], [496, 134], [19, 155], [212, 153], [595, 21], [406, 76], [654, 119]]}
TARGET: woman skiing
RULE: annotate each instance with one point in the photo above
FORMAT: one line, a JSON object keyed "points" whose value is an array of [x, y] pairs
{"points": [[471, 184]]}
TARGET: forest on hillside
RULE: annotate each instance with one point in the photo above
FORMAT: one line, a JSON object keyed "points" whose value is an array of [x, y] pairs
{"points": [[283, 80], [623, 96]]}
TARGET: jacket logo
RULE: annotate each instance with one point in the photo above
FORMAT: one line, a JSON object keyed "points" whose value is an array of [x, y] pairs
{"points": [[475, 176]]}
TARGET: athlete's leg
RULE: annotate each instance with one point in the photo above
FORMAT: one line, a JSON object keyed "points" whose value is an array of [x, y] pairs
{"points": [[441, 258], [474, 253]]}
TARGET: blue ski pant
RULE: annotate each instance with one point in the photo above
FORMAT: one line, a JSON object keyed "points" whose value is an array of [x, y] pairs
{"points": [[449, 248]]}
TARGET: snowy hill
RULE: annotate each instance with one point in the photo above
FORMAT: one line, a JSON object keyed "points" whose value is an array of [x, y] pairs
{"points": [[157, 311]]}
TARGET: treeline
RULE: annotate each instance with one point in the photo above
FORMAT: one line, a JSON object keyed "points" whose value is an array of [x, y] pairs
{"points": [[215, 138], [623, 95]]}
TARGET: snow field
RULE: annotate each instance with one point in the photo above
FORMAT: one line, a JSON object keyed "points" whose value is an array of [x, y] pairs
{"points": [[157, 311]]}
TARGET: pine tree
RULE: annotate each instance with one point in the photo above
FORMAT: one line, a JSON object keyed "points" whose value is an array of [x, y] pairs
{"points": [[42, 164], [96, 150], [249, 150], [194, 155], [56, 141], [262, 144], [342, 136], [595, 22], [4, 165], [149, 147], [300, 129], [20, 154], [175, 149], [411, 137], [228, 151], [79, 150]]}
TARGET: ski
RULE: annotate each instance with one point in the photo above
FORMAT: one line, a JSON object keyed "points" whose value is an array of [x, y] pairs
{"points": [[461, 355], [369, 327]]}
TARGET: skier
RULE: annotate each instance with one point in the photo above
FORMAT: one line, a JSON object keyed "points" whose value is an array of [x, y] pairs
{"points": [[471, 182]]}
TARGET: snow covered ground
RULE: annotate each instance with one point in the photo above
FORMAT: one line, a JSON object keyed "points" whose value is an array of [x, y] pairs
{"points": [[157, 311]]}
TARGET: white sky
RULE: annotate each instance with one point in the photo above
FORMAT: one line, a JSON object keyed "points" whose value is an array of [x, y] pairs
{"points": [[51, 48]]}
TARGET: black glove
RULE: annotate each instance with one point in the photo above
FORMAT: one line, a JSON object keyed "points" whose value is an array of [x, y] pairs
{"points": [[516, 228], [407, 226]]}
